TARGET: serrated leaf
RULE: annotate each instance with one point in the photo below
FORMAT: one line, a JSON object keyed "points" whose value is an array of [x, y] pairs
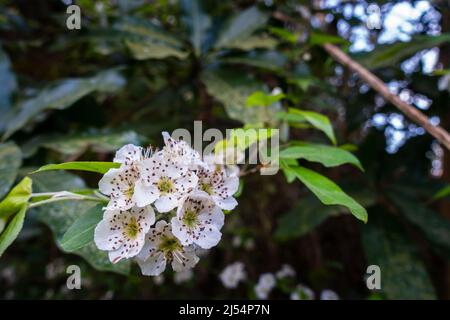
{"points": [[60, 96], [240, 27], [12, 229], [91, 166], [81, 232], [327, 191], [329, 156], [403, 275], [10, 161]]}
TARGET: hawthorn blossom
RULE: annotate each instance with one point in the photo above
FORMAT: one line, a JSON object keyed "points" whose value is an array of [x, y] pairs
{"points": [[130, 154], [162, 247], [125, 189], [232, 275], [302, 292], [285, 271], [166, 183], [180, 152], [219, 187], [198, 221], [122, 233], [328, 294], [266, 283], [225, 160]]}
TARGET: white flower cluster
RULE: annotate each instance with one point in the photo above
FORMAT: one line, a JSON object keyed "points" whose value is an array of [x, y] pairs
{"points": [[189, 194]]}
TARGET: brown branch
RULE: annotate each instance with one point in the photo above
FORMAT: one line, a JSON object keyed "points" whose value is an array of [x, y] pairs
{"points": [[410, 111]]}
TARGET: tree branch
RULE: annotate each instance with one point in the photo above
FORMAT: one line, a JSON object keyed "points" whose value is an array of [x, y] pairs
{"points": [[410, 111]]}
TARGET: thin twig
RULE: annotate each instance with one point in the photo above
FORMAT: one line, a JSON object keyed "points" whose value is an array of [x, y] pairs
{"points": [[410, 111]]}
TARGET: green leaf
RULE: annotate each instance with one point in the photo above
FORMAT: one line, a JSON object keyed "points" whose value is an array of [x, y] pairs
{"points": [[16, 199], [327, 155], [317, 120], [91, 166], [197, 23], [240, 27], [434, 226], [261, 41], [388, 55], [403, 275], [262, 99], [148, 41], [328, 192], [12, 230], [99, 141], [59, 216], [263, 59], [81, 232], [150, 49], [60, 96], [10, 161], [306, 215], [284, 34], [444, 192], [232, 88], [8, 83], [318, 38]]}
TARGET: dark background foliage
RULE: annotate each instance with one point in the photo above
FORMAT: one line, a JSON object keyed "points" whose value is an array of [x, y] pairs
{"points": [[139, 67]]}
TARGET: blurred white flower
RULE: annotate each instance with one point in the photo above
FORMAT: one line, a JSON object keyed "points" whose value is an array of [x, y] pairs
{"points": [[233, 274], [162, 247], [122, 233], [265, 285], [159, 280], [328, 294], [183, 276], [285, 271], [302, 292]]}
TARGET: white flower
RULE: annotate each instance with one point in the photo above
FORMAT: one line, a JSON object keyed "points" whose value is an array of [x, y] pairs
{"points": [[219, 186], [162, 247], [265, 285], [302, 293], [285, 271], [198, 221], [125, 188], [225, 160], [183, 276], [328, 294], [166, 183], [232, 275], [122, 233], [181, 153], [130, 154]]}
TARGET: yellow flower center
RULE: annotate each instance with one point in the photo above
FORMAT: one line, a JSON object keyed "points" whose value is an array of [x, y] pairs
{"points": [[165, 185], [132, 228]]}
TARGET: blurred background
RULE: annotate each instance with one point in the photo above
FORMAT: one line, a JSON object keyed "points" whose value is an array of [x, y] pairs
{"points": [[139, 67]]}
